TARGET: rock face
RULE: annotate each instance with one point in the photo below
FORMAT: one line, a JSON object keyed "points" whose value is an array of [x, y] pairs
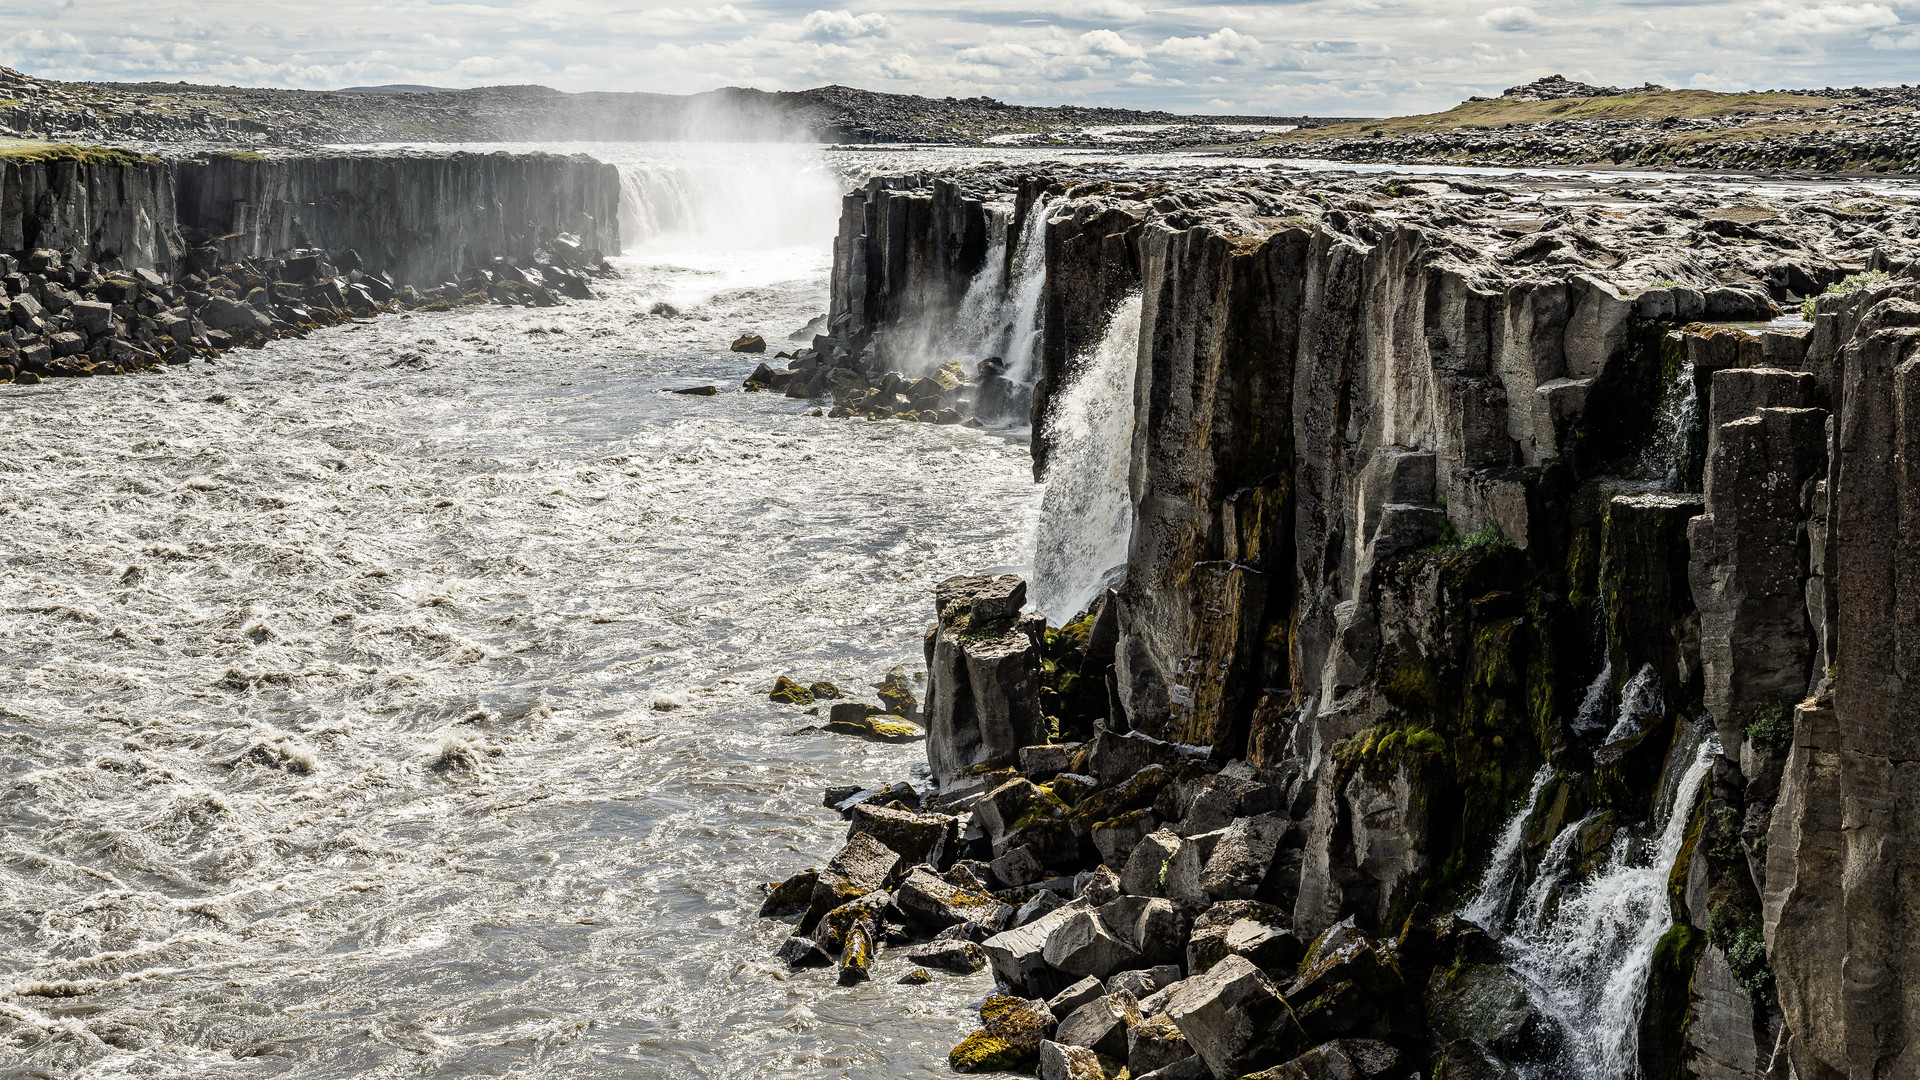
{"points": [[1428, 500], [422, 218], [127, 263]]}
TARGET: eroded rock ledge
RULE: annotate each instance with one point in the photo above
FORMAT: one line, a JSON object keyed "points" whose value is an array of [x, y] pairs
{"points": [[1486, 542], [127, 263]]}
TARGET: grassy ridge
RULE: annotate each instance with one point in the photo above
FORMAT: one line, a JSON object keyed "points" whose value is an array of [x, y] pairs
{"points": [[1686, 104], [34, 152]]}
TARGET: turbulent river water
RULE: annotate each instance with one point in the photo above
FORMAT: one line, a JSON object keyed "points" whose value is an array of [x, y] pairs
{"points": [[393, 702]]}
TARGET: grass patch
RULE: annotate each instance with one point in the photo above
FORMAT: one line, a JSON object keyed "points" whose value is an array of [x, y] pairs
{"points": [[1685, 104], [33, 152], [1852, 283]]}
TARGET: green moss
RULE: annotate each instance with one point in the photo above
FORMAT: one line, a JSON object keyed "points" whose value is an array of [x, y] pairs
{"points": [[37, 153], [981, 1052], [1768, 724], [238, 155]]}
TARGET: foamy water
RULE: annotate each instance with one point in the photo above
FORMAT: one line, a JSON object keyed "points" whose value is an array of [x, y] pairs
{"points": [[393, 702]]}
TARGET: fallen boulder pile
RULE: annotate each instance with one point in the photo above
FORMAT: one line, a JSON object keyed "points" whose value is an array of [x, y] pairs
{"points": [[947, 396], [69, 317], [1132, 897]]}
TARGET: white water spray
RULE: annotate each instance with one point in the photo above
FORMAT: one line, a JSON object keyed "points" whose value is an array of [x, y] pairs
{"points": [[1028, 291], [1589, 962], [1489, 905], [1641, 697], [1679, 412], [1086, 512]]}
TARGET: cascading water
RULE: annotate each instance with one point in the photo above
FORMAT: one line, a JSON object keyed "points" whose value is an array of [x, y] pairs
{"points": [[1640, 698], [1027, 292], [979, 328], [1086, 513], [1590, 718], [1496, 893], [1669, 458], [1586, 949], [716, 199]]}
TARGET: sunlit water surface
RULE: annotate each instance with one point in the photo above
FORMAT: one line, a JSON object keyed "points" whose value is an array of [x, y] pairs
{"points": [[393, 702]]}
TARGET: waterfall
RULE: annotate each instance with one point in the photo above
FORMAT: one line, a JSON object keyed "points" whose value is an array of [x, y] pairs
{"points": [[720, 199], [1490, 902], [1589, 961], [1670, 456], [1589, 719], [1640, 697], [1086, 511], [1027, 293], [979, 327]]}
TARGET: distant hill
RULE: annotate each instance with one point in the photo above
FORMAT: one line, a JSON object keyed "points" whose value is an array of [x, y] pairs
{"points": [[397, 88], [187, 113]]}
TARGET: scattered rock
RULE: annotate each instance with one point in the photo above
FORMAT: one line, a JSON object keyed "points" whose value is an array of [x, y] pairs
{"points": [[750, 343]]}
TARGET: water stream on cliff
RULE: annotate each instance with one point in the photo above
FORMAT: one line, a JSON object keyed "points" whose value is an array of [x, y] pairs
{"points": [[1086, 512], [1585, 947], [393, 702]]}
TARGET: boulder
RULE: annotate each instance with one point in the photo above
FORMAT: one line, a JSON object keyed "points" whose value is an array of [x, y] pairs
{"points": [[836, 926], [983, 674], [937, 904], [1144, 982], [1021, 1022], [896, 693], [67, 343], [1153, 927], [1044, 762], [1018, 867], [1116, 837], [1239, 862], [1061, 1062], [802, 951], [1101, 1025], [788, 692], [856, 958], [231, 316], [1066, 1001], [92, 316], [1235, 1019], [1207, 945], [959, 957], [1018, 956], [862, 866], [749, 343], [1084, 945], [917, 838], [1164, 864], [981, 1052], [1489, 1006], [789, 897], [1155, 1044]]}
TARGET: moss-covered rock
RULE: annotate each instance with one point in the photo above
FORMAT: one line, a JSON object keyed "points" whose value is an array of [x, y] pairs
{"points": [[981, 1053], [788, 692]]}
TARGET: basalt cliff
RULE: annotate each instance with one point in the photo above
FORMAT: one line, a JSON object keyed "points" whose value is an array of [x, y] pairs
{"points": [[1502, 674], [114, 262]]}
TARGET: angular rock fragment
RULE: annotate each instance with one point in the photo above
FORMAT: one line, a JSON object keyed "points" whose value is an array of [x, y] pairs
{"points": [[1235, 1019], [1165, 864], [956, 957], [1155, 1044], [1101, 1025], [937, 904], [1061, 1062], [914, 837], [1084, 945]]}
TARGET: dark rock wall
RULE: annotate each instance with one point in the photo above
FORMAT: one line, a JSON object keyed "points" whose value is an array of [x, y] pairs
{"points": [[1394, 514], [95, 210], [906, 250], [421, 218]]}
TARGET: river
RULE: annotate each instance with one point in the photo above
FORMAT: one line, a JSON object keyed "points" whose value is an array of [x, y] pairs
{"points": [[393, 702]]}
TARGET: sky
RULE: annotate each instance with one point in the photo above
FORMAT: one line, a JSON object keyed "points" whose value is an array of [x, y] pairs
{"points": [[1327, 57]]}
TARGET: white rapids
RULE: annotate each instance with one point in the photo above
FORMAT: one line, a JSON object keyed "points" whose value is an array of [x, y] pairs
{"points": [[393, 702]]}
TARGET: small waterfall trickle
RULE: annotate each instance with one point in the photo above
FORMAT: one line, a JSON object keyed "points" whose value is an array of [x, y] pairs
{"points": [[1588, 955], [979, 327], [1669, 459], [1590, 718], [1490, 903], [1641, 697], [1086, 512], [1026, 293]]}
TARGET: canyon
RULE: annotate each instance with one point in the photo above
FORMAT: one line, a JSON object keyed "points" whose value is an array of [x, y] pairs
{"points": [[1342, 624]]}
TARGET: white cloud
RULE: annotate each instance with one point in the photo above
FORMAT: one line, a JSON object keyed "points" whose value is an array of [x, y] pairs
{"points": [[1342, 57], [1108, 43], [1224, 46], [1511, 19], [843, 25]]}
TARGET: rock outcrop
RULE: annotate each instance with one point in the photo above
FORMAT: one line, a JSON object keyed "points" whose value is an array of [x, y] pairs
{"points": [[1473, 558], [129, 263]]}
